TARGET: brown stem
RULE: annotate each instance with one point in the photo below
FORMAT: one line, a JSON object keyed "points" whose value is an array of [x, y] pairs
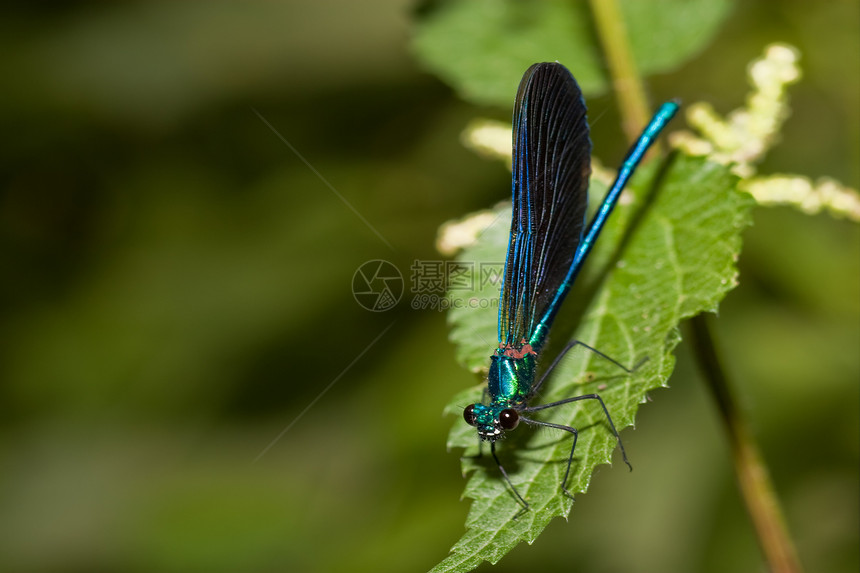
{"points": [[753, 478]]}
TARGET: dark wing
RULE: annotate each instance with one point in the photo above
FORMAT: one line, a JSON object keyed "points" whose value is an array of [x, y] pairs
{"points": [[551, 166]]}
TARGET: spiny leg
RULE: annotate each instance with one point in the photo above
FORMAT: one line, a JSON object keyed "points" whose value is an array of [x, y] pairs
{"points": [[507, 479], [572, 430], [568, 348], [572, 448]]}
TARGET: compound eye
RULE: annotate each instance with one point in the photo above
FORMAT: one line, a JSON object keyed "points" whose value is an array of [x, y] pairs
{"points": [[469, 414], [508, 419]]}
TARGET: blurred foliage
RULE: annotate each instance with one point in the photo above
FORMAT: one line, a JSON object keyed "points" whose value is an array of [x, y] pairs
{"points": [[485, 62], [177, 292]]}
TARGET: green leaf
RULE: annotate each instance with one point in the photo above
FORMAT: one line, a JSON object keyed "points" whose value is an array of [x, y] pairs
{"points": [[481, 47], [667, 254]]}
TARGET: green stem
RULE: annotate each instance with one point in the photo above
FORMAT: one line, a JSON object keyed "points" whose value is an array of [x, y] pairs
{"points": [[626, 80], [753, 479]]}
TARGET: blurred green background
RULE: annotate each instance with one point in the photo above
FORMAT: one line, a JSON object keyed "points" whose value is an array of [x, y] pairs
{"points": [[177, 283]]}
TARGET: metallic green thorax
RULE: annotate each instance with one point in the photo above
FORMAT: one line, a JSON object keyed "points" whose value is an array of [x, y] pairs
{"points": [[509, 383], [510, 378]]}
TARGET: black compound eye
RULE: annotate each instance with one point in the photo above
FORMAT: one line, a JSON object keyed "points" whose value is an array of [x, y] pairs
{"points": [[508, 419], [469, 414]]}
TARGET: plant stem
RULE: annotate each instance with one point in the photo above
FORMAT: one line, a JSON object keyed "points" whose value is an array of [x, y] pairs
{"points": [[626, 80], [753, 478]]}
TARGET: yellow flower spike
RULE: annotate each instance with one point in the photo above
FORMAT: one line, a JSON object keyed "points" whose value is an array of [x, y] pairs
{"points": [[824, 195], [747, 133], [458, 234], [488, 138], [743, 138]]}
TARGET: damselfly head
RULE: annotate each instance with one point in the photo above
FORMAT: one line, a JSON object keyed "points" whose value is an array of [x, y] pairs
{"points": [[491, 421]]}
